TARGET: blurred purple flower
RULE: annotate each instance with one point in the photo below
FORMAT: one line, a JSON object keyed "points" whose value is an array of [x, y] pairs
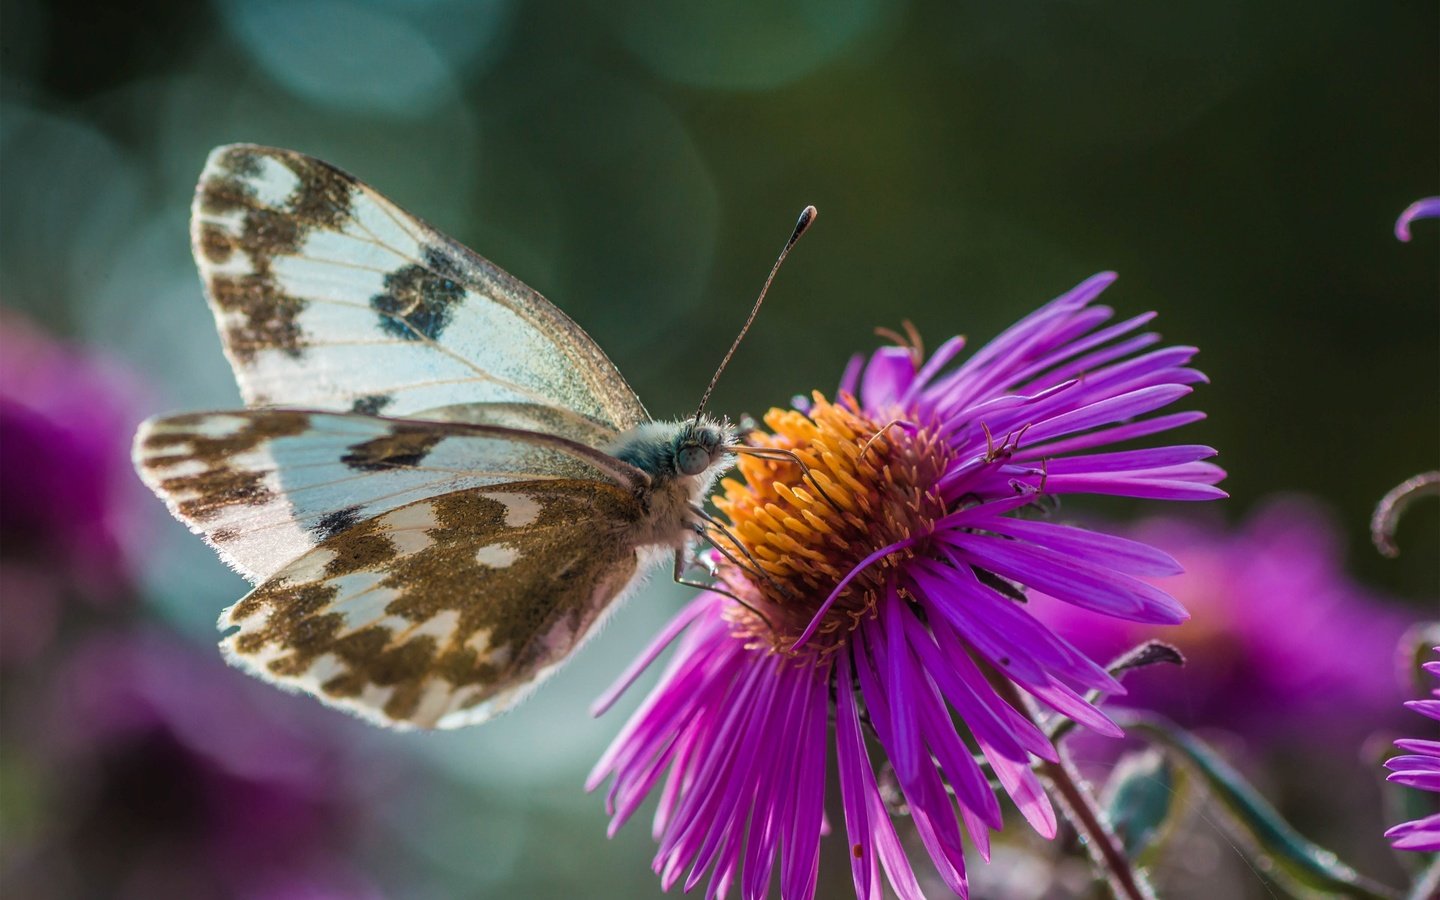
{"points": [[1428, 208], [1420, 769], [70, 508], [888, 598], [1283, 642], [181, 779]]}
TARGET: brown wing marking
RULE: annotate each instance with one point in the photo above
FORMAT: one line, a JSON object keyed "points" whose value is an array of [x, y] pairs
{"points": [[266, 486], [310, 271], [446, 611]]}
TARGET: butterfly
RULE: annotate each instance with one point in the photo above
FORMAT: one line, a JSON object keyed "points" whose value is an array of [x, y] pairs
{"points": [[440, 485]]}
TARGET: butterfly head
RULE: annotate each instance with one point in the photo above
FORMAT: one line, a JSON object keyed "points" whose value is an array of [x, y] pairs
{"points": [[700, 444], [696, 450]]}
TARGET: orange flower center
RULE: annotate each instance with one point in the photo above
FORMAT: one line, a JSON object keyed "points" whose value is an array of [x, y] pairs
{"points": [[852, 486]]}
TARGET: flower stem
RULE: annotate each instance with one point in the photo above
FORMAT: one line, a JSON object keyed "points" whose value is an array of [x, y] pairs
{"points": [[1427, 885], [1079, 806]]}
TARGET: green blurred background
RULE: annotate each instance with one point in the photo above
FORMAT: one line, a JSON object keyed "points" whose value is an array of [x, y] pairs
{"points": [[1239, 164]]}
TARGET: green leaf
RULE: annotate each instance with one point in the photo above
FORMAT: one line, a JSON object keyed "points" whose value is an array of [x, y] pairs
{"points": [[1139, 797], [1276, 848]]}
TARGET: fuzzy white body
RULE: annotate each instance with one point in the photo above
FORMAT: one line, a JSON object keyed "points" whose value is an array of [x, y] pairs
{"points": [[672, 497]]}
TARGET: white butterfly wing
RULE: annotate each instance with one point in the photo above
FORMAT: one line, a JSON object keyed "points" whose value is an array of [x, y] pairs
{"points": [[265, 487], [328, 296]]}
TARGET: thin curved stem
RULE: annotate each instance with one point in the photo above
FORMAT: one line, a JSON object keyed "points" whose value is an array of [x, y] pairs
{"points": [[1388, 511], [1079, 805]]}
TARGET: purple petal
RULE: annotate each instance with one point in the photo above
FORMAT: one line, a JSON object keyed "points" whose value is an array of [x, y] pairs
{"points": [[1107, 411], [990, 718], [1002, 352], [800, 865], [686, 749], [1417, 745], [1422, 835], [1427, 208], [1024, 788], [727, 816], [1006, 635], [964, 775], [850, 760], [998, 414], [983, 380], [729, 723], [1103, 356], [766, 822], [938, 833], [1121, 554], [1125, 460], [979, 707], [1430, 708], [1071, 580], [887, 378], [982, 512], [1072, 346], [1414, 763], [1135, 485], [850, 380], [1070, 704], [950, 593], [677, 624], [1425, 781], [1127, 432], [1131, 374], [904, 748], [937, 361], [886, 845], [850, 576]]}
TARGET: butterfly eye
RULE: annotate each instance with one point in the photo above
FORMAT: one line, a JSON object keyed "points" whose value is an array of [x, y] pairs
{"points": [[692, 459]]}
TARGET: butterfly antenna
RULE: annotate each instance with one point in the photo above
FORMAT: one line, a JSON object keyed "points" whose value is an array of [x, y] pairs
{"points": [[807, 218]]}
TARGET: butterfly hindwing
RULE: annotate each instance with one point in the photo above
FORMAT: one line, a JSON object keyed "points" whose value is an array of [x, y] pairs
{"points": [[328, 296], [266, 486], [447, 610]]}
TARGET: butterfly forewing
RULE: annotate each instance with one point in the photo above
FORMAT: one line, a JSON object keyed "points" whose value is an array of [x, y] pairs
{"points": [[328, 296], [266, 486], [447, 610]]}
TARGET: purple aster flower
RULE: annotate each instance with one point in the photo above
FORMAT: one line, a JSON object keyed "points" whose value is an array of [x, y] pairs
{"points": [[1283, 641], [181, 779], [1420, 768], [878, 549], [71, 507]]}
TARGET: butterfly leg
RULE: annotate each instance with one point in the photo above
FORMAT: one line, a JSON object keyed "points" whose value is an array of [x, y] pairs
{"points": [[681, 564], [754, 569]]}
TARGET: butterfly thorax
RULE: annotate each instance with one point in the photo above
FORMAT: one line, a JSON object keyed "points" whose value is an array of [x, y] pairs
{"points": [[683, 460]]}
